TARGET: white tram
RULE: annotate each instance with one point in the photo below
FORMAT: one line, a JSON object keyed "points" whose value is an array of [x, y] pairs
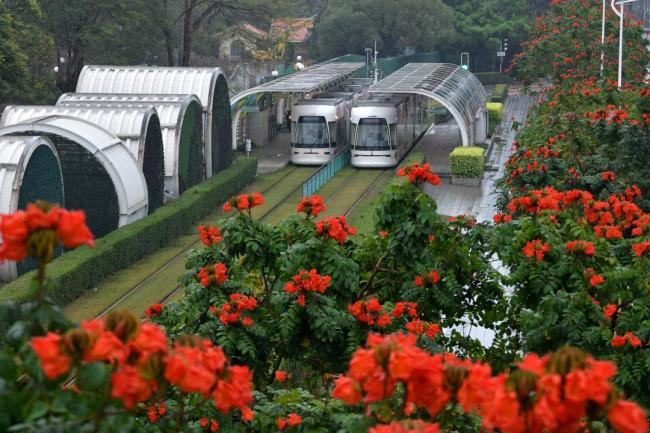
{"points": [[320, 127], [385, 127]]}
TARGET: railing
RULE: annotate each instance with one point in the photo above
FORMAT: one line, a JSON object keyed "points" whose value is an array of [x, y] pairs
{"points": [[326, 172]]}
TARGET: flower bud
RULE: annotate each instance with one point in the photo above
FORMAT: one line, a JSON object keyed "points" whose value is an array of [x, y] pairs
{"points": [[76, 342], [454, 377], [153, 368], [42, 244], [123, 324], [565, 360]]}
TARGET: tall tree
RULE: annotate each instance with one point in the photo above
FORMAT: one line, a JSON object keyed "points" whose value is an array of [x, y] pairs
{"points": [[481, 26], [349, 25]]}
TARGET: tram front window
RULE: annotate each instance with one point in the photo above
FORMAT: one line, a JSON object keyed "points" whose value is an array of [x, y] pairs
{"points": [[372, 134], [310, 132]]}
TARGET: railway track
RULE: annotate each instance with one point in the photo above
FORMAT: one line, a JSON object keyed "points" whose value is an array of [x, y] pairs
{"points": [[181, 256]]}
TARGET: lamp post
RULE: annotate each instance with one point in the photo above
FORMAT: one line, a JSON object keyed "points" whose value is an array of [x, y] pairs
{"points": [[501, 54], [464, 60], [621, 15], [602, 42]]}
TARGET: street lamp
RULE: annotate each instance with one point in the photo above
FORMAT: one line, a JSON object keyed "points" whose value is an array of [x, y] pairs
{"points": [[464, 61], [501, 54], [621, 15]]}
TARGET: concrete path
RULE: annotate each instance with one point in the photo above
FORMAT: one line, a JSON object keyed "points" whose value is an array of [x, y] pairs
{"points": [[275, 155]]}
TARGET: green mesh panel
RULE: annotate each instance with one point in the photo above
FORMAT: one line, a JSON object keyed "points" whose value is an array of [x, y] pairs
{"points": [[153, 165], [191, 166], [221, 127], [41, 181], [87, 186]]}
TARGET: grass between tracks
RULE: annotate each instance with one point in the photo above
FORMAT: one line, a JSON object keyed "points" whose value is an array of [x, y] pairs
{"points": [[118, 285], [363, 216]]}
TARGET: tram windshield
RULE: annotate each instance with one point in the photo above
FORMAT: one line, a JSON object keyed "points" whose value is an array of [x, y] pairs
{"points": [[372, 134], [309, 132]]}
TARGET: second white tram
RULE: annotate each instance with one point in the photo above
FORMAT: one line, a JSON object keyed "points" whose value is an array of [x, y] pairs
{"points": [[320, 127], [385, 127]]}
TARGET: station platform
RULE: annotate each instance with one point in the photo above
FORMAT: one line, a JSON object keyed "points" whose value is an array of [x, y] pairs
{"points": [[275, 155]]}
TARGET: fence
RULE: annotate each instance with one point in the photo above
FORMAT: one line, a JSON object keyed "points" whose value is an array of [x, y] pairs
{"points": [[326, 172]]}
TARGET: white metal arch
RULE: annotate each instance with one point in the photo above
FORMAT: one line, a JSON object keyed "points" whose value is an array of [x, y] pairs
{"points": [[112, 154], [154, 80], [171, 110], [455, 88], [15, 154]]}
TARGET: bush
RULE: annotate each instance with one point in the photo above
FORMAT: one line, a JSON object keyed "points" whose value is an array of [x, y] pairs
{"points": [[79, 270], [499, 94], [467, 161], [487, 78], [495, 115]]}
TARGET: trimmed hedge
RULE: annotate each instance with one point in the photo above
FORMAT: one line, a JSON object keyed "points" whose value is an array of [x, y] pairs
{"points": [[499, 93], [487, 78], [467, 162], [80, 270], [495, 115]]}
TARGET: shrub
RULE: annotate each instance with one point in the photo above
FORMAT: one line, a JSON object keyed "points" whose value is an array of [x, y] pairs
{"points": [[495, 115], [79, 270], [499, 93], [487, 78], [467, 161]]}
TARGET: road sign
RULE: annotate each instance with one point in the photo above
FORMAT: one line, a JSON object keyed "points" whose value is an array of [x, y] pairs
{"points": [[501, 53]]}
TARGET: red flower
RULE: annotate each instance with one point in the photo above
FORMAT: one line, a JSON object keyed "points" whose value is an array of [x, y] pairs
{"points": [[244, 202], [335, 228], [214, 426], [347, 390], [608, 176], [641, 248], [128, 385], [211, 275], [154, 310], [536, 249], [235, 391], [294, 419], [406, 426], [419, 282], [596, 280], [312, 205], [401, 308], [627, 417], [619, 341], [419, 174], [419, 327], [585, 247], [430, 278], [370, 312], [48, 349], [210, 235], [107, 347], [281, 423], [307, 281], [609, 311], [281, 376]]}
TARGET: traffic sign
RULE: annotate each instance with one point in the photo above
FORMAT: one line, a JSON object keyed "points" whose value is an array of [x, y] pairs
{"points": [[501, 53]]}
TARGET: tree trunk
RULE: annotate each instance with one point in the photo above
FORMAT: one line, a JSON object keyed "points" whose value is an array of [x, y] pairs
{"points": [[188, 31], [169, 46]]}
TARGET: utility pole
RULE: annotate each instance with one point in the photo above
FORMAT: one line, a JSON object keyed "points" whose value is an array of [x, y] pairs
{"points": [[375, 65], [621, 15]]}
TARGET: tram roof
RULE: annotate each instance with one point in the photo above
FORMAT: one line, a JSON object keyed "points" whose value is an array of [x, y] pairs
{"points": [[456, 88]]}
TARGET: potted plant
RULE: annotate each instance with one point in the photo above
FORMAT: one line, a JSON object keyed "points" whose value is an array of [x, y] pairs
{"points": [[466, 165]]}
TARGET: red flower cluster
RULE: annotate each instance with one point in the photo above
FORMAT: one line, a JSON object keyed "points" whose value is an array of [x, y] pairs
{"points": [[138, 354], [428, 279], [401, 308], [155, 411], [37, 231], [406, 426], [501, 218], [556, 393], [641, 248], [232, 312], [154, 310], [210, 235], [418, 174], [608, 176], [419, 327], [536, 249], [292, 420], [370, 312], [213, 274], [244, 202], [312, 205], [336, 228], [209, 424], [307, 281], [627, 338], [585, 247], [609, 310]]}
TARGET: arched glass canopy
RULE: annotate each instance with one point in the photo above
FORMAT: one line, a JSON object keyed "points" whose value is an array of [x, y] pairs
{"points": [[457, 89]]}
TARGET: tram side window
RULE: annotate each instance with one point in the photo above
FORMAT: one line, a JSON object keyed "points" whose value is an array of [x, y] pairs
{"points": [[309, 132], [373, 134]]}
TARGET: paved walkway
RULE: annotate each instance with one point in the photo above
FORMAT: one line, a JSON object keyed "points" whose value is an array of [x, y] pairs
{"points": [[456, 200], [275, 155]]}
